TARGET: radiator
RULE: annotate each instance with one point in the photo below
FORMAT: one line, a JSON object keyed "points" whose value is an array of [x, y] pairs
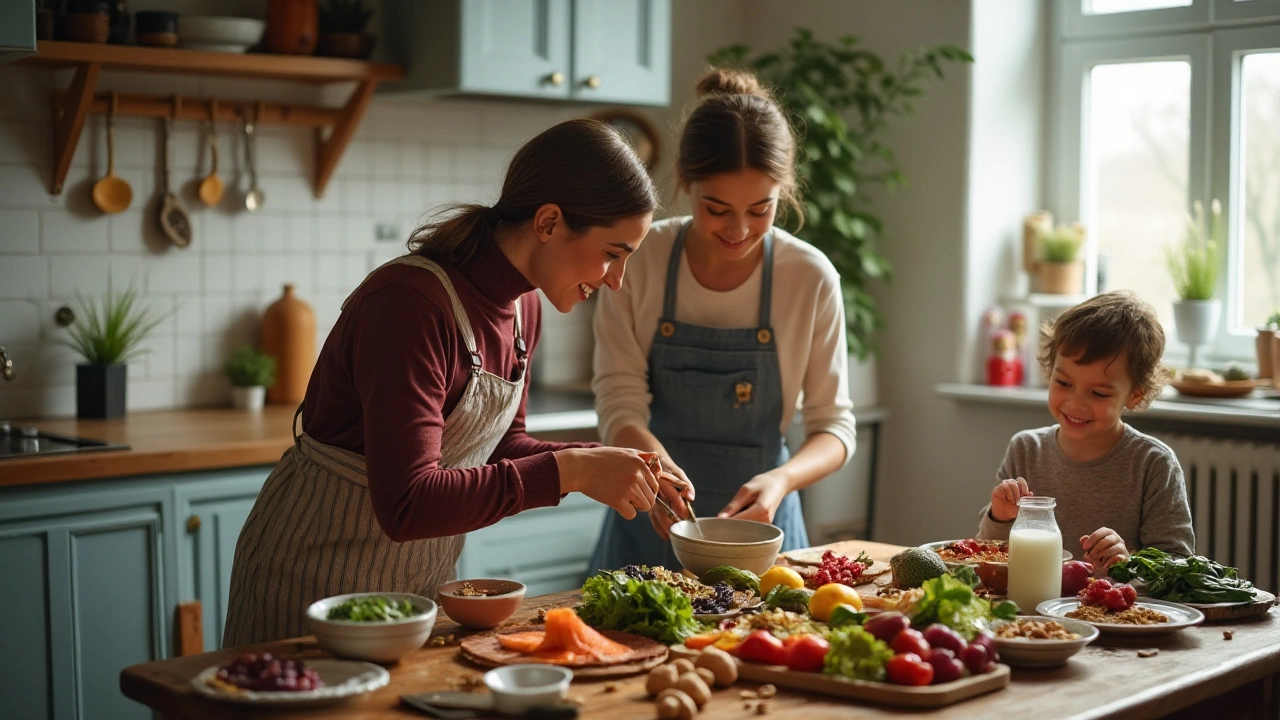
{"points": [[1234, 491]]}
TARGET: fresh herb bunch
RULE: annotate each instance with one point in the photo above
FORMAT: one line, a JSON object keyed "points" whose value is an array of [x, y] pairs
{"points": [[652, 608], [1194, 579], [343, 16], [373, 609], [1193, 263], [249, 368], [112, 332], [1062, 245], [841, 98]]}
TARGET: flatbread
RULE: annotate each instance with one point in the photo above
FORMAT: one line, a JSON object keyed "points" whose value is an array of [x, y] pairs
{"points": [[488, 651], [812, 557]]}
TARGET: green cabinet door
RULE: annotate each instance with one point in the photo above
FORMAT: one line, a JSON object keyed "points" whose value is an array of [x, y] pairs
{"points": [[210, 513], [83, 574], [622, 51], [515, 47]]}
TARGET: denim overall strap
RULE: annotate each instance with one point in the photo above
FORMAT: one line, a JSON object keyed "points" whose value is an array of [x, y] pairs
{"points": [[717, 403]]}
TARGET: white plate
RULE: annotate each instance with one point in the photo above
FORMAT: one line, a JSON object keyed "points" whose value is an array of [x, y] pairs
{"points": [[1026, 652], [1180, 616], [342, 678], [936, 546]]}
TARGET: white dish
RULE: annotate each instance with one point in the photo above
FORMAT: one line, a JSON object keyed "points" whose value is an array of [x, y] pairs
{"points": [[376, 641], [1180, 616], [214, 47], [952, 564], [219, 30], [1027, 652], [517, 688], [342, 679], [744, 544]]}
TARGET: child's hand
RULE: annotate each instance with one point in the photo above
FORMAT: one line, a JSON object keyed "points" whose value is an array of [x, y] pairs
{"points": [[1104, 548], [1004, 499]]}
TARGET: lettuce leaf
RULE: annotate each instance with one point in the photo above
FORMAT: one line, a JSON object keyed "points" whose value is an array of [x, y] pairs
{"points": [[856, 653], [950, 600], [654, 609]]}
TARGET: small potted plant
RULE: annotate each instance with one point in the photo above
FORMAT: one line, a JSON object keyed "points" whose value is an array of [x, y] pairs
{"points": [[342, 29], [251, 373], [107, 335], [1193, 266], [1058, 269]]}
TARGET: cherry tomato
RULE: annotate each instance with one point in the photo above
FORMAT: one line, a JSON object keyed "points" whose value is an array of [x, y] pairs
{"points": [[805, 653], [910, 641], [909, 669], [762, 647]]}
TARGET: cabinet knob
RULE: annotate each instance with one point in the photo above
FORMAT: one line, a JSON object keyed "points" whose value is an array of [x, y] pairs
{"points": [[555, 78], [193, 523], [592, 81]]}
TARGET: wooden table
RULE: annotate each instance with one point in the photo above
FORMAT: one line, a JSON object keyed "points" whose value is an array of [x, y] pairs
{"points": [[1106, 680]]}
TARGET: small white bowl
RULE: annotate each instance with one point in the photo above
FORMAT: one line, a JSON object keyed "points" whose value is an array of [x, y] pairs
{"points": [[225, 34], [380, 642], [744, 544], [1028, 652], [517, 688]]}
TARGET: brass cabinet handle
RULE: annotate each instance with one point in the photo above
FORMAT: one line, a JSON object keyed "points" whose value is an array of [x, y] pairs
{"points": [[592, 81], [193, 523], [555, 78]]}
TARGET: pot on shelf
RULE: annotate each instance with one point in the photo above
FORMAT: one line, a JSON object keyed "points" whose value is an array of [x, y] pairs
{"points": [[250, 397], [292, 27], [357, 45], [1263, 346], [1059, 278], [1196, 322]]}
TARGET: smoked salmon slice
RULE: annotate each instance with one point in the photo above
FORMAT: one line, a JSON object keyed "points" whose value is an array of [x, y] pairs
{"points": [[566, 639]]}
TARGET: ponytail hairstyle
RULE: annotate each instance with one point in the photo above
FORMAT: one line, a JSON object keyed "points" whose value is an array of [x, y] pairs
{"points": [[738, 125], [583, 166]]}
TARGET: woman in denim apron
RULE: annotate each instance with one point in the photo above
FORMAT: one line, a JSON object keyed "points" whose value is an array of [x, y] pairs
{"points": [[710, 381]]}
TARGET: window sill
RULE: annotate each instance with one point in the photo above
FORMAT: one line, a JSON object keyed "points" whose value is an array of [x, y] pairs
{"points": [[1260, 410]]}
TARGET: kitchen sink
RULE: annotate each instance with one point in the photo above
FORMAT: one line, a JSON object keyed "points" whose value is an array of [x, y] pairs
{"points": [[28, 440]]}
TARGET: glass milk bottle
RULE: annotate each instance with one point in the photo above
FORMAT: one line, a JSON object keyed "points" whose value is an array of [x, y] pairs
{"points": [[1035, 554]]}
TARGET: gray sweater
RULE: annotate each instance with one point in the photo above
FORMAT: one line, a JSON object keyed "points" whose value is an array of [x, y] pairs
{"points": [[1136, 489]]}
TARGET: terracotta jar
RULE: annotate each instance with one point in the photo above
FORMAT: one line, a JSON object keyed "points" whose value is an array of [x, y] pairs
{"points": [[289, 336], [292, 27], [1263, 345]]}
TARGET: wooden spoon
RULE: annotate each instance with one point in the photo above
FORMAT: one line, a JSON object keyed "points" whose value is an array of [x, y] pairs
{"points": [[211, 187], [173, 218], [112, 194]]}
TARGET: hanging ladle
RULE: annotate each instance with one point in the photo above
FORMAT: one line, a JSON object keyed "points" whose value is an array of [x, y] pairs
{"points": [[211, 187], [255, 197], [174, 221], [112, 194]]}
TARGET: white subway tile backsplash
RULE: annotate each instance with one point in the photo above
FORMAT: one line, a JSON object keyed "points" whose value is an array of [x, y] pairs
{"points": [[216, 273], [19, 231], [175, 271], [26, 185], [24, 278], [19, 321], [188, 315], [147, 394], [70, 274], [64, 232]]}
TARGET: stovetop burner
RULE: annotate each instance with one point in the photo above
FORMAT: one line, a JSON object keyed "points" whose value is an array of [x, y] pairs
{"points": [[28, 440]]}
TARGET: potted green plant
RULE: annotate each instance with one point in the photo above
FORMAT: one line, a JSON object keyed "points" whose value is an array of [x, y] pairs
{"points": [[342, 29], [251, 373], [107, 335], [841, 98], [1193, 267], [1058, 268]]}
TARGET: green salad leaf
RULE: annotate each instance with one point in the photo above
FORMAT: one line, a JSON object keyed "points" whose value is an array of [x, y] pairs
{"points": [[1194, 579], [654, 609], [950, 600], [373, 609], [856, 653]]}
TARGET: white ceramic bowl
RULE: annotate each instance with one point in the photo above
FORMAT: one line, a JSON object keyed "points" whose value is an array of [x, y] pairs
{"points": [[223, 34], [744, 544], [382, 642], [1027, 652], [517, 688]]}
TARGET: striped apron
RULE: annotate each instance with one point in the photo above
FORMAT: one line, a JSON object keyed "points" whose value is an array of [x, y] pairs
{"points": [[312, 532]]}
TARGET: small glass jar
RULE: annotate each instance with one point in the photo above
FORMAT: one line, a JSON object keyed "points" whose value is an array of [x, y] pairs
{"points": [[1035, 554], [88, 21]]}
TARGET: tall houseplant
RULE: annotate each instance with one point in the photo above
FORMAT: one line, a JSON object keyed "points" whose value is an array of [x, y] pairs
{"points": [[107, 335], [1193, 266], [841, 98]]}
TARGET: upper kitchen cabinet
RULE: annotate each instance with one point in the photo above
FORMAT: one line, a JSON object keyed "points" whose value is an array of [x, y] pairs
{"points": [[17, 30], [611, 51]]}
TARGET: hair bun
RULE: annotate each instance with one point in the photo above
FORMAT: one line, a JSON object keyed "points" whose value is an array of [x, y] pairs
{"points": [[721, 81]]}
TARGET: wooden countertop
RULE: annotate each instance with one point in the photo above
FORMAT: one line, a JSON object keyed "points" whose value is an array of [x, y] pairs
{"points": [[164, 441], [1105, 680]]}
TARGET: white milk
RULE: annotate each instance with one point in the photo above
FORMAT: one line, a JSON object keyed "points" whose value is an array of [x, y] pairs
{"points": [[1035, 567]]}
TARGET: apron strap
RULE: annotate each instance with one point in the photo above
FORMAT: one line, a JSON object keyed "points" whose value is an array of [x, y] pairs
{"points": [[293, 426], [673, 274], [766, 282]]}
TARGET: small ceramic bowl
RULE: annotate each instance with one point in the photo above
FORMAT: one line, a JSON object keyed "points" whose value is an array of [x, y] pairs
{"points": [[1029, 652], [518, 688], [744, 544], [500, 601], [380, 642]]}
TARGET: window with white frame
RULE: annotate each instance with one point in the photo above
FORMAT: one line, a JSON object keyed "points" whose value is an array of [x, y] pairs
{"points": [[1157, 105]]}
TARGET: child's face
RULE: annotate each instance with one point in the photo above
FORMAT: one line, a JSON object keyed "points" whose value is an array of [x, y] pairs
{"points": [[1087, 400]]}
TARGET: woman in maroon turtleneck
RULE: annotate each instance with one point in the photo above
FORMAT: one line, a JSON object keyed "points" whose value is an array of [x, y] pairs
{"points": [[413, 422]]}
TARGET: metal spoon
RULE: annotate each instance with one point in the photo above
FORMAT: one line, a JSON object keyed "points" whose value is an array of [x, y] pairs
{"points": [[173, 218], [255, 197], [211, 187], [112, 194]]}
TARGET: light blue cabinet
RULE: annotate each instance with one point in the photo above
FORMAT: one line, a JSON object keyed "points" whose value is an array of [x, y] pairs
{"points": [[615, 51]]}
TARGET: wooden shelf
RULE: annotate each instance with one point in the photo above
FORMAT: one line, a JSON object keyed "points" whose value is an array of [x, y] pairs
{"points": [[73, 105]]}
